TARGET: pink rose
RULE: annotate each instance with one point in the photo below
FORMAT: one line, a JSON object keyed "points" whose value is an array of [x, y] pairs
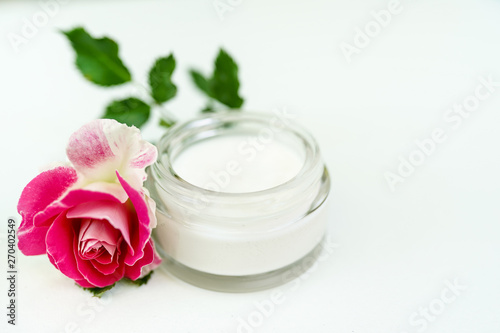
{"points": [[94, 218]]}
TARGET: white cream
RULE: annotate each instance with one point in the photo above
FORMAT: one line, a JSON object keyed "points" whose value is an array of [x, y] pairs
{"points": [[237, 164]]}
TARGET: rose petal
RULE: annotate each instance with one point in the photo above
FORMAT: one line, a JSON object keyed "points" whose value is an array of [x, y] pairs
{"points": [[85, 247], [106, 258], [60, 239], [94, 276], [111, 266], [140, 232], [110, 248], [134, 272], [151, 212], [115, 190], [97, 238], [84, 283], [77, 197], [36, 196], [99, 230], [104, 146], [106, 269], [114, 212], [156, 262]]}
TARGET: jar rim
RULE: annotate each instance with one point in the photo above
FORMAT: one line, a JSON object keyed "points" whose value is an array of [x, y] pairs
{"points": [[168, 173]]}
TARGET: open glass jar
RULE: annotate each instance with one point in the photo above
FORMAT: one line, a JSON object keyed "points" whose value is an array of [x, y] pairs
{"points": [[241, 200]]}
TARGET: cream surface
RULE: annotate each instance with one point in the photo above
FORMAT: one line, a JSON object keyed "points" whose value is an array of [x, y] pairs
{"points": [[238, 164]]}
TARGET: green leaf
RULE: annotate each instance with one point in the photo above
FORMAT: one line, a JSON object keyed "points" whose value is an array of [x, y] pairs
{"points": [[200, 81], [98, 292], [141, 281], [131, 111], [160, 79], [224, 84], [97, 58], [208, 109], [167, 123]]}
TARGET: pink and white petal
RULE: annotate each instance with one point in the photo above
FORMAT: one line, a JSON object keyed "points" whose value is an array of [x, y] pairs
{"points": [[115, 189], [140, 231], [42, 191], [104, 146], [72, 199], [135, 271], [156, 262], [115, 213], [89, 151], [60, 247], [127, 142]]}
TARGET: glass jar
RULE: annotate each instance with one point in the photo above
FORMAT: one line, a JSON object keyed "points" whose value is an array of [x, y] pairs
{"points": [[251, 235]]}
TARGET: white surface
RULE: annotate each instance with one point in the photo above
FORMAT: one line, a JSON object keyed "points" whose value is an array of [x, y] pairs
{"points": [[395, 249]]}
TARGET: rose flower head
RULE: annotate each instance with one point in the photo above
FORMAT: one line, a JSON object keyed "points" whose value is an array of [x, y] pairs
{"points": [[94, 218]]}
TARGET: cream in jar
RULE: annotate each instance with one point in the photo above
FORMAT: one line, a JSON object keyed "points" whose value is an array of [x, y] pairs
{"points": [[240, 199]]}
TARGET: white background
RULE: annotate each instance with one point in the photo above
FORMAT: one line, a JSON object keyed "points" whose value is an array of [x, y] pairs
{"points": [[395, 249]]}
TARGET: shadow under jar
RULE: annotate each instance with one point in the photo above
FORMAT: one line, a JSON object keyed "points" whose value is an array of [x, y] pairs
{"points": [[241, 200]]}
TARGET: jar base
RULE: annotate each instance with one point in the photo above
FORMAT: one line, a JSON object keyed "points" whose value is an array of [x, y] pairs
{"points": [[241, 284]]}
